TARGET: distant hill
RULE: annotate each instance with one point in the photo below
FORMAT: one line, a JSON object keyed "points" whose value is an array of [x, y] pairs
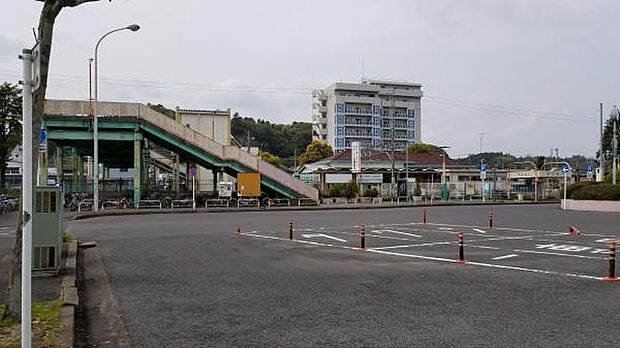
{"points": [[278, 139]]}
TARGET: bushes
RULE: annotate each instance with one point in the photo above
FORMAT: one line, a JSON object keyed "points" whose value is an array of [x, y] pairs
{"points": [[597, 191], [418, 190], [350, 190], [372, 192]]}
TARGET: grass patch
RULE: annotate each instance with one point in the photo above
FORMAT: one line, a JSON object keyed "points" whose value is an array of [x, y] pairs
{"points": [[67, 238], [4, 321], [45, 326]]}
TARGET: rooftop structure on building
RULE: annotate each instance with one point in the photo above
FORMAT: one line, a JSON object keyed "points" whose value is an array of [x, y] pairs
{"points": [[377, 113]]}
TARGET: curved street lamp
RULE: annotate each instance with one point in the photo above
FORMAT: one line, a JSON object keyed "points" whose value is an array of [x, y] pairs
{"points": [[567, 169], [133, 28]]}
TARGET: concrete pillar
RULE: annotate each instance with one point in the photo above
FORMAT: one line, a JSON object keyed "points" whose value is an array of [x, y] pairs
{"points": [[74, 170], [215, 174], [80, 173], [176, 174], [145, 170], [137, 166]]}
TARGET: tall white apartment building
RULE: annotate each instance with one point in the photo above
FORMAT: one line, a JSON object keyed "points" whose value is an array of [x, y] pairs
{"points": [[376, 113]]}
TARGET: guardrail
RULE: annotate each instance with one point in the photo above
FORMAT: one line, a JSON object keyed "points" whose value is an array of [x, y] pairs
{"points": [[120, 204], [181, 203], [248, 202], [148, 203], [280, 202], [85, 204], [217, 203], [307, 202]]}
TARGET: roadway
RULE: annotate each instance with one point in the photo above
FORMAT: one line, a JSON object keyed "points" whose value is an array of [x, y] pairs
{"points": [[189, 280]]}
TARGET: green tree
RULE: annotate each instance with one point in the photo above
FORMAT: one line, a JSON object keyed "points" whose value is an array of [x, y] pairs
{"points": [[282, 140], [269, 158], [315, 151], [424, 148], [10, 126]]}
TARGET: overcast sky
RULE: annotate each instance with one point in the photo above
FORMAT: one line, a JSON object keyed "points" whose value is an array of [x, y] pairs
{"points": [[529, 73]]}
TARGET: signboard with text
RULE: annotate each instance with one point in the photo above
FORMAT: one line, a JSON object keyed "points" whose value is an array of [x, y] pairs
{"points": [[356, 157]]}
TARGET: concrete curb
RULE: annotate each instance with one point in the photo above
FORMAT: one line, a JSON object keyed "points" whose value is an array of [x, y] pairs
{"points": [[90, 215], [69, 298]]}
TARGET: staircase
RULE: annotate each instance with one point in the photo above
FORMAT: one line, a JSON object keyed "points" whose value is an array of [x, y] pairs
{"points": [[229, 155]]}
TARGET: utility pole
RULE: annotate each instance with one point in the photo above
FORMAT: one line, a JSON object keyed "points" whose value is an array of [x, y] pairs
{"points": [[294, 160], [481, 138], [392, 142], [615, 113], [26, 306], [602, 155]]}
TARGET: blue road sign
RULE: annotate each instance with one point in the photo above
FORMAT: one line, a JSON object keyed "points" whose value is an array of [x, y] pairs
{"points": [[565, 170], [483, 167], [589, 168], [42, 136]]}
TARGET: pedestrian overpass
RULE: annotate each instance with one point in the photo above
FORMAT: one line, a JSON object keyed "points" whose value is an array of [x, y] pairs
{"points": [[125, 129]]}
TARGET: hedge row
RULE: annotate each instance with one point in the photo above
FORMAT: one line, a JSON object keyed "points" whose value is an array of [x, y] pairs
{"points": [[597, 191]]}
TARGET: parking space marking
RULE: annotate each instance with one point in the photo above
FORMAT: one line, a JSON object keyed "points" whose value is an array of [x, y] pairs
{"points": [[383, 251], [504, 257], [324, 236], [559, 254], [479, 230], [489, 265], [402, 233]]}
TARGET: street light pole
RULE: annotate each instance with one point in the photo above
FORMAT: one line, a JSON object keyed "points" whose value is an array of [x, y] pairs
{"points": [[134, 28], [27, 207], [615, 113], [569, 169]]}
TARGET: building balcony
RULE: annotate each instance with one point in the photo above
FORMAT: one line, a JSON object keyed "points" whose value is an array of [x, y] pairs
{"points": [[358, 134], [358, 123], [355, 111]]}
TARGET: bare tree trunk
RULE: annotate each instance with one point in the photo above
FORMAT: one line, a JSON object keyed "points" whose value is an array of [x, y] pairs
{"points": [[50, 11]]}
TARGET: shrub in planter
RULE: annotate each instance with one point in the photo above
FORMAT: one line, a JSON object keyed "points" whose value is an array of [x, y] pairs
{"points": [[372, 192], [597, 191]]}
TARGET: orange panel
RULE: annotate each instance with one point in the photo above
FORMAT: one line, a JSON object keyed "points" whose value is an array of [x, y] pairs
{"points": [[248, 184]]}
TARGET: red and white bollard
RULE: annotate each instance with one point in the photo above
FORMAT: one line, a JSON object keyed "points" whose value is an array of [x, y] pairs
{"points": [[490, 219], [611, 269], [461, 259]]}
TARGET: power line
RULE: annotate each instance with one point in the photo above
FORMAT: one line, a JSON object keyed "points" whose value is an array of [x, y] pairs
{"points": [[508, 112], [300, 90]]}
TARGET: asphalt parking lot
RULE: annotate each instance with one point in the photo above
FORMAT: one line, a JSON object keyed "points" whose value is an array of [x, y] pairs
{"points": [[191, 281]]}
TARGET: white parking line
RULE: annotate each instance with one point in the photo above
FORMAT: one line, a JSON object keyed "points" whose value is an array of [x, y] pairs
{"points": [[479, 230], [504, 257], [440, 259], [559, 254], [324, 236], [402, 233], [490, 265]]}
